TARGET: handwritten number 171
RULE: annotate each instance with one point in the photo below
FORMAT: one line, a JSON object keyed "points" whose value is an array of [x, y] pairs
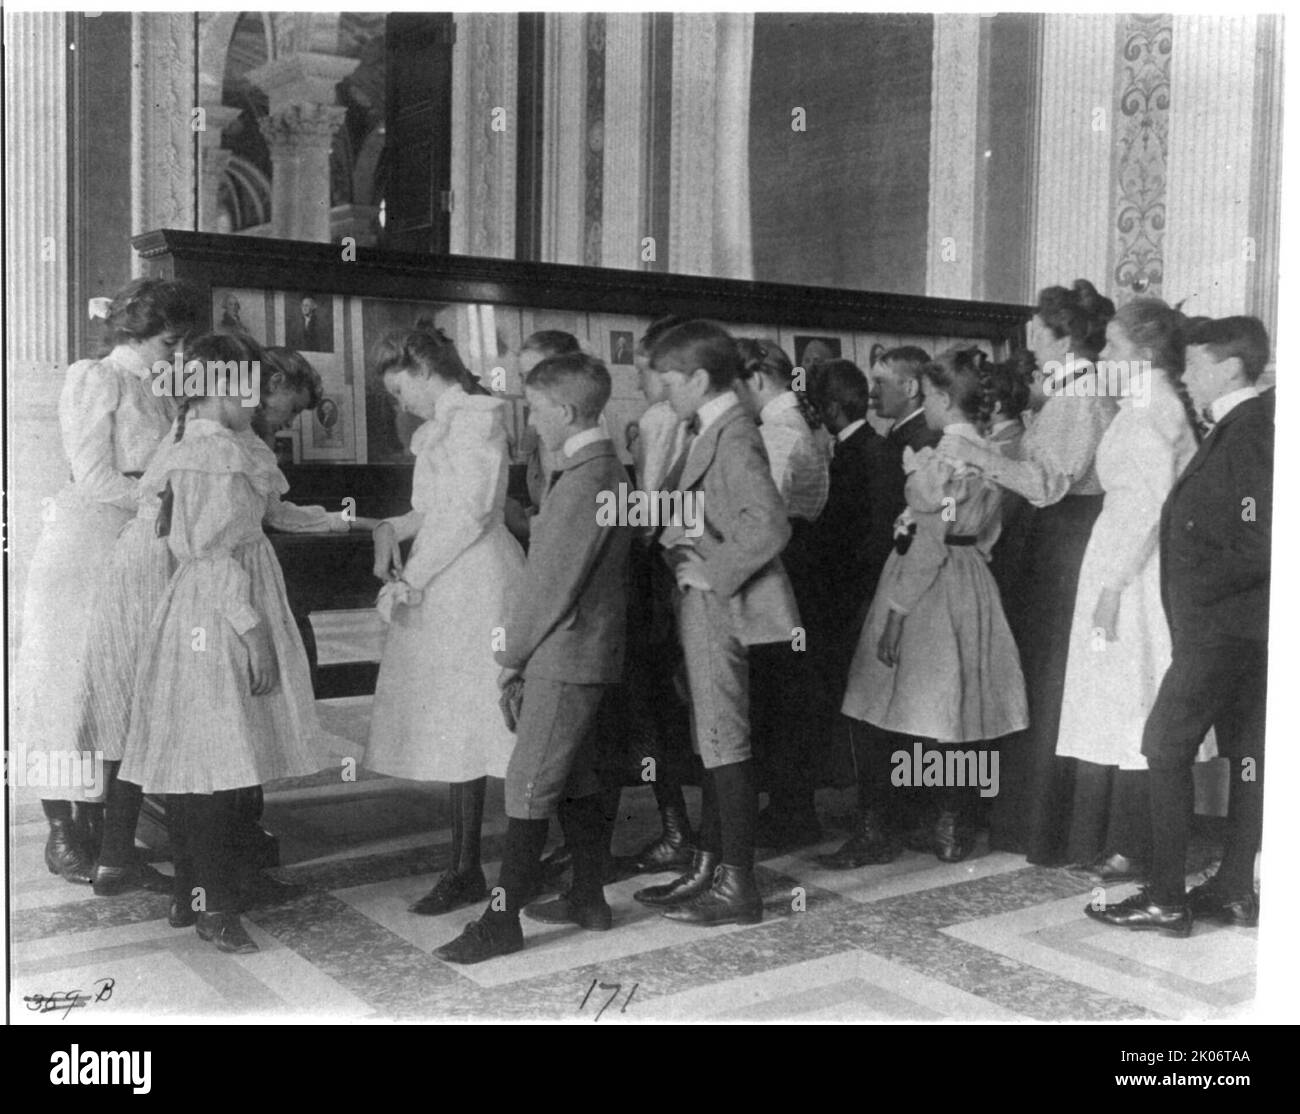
{"points": [[616, 987]]}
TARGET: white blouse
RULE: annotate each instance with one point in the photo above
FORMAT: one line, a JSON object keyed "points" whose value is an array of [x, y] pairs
{"points": [[459, 488], [111, 423]]}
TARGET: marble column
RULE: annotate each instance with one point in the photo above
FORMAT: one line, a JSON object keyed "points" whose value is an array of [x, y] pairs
{"points": [[299, 127], [484, 136], [1075, 138], [36, 274], [163, 147], [213, 161], [1209, 255], [957, 172]]}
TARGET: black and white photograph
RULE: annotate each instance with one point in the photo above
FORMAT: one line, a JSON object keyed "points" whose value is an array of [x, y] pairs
{"points": [[643, 518]]}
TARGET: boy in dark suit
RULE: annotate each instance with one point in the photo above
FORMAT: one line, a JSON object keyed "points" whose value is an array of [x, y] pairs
{"points": [[1215, 537], [733, 593], [564, 633]]}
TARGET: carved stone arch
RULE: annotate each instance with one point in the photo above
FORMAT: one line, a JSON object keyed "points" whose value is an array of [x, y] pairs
{"points": [[304, 32], [215, 32]]}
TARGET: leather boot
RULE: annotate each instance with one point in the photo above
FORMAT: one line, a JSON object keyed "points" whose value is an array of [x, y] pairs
{"points": [[732, 899], [953, 839], [672, 850], [869, 845], [89, 820], [64, 853], [225, 931], [695, 881], [109, 881]]}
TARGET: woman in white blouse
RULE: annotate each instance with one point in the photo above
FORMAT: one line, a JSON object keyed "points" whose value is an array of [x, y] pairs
{"points": [[1120, 643], [111, 423], [1057, 475], [436, 715]]}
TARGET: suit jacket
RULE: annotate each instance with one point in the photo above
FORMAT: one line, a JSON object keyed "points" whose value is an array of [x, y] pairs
{"points": [[1214, 544], [567, 621], [854, 534], [912, 434], [745, 528]]}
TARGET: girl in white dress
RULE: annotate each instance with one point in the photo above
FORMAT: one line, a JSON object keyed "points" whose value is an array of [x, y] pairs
{"points": [[436, 715], [1119, 641], [111, 422], [223, 698], [138, 574]]}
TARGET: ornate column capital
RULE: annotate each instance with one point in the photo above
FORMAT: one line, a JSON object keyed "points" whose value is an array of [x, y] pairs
{"points": [[301, 79], [302, 125]]}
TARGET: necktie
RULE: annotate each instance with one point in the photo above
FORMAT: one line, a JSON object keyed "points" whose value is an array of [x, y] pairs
{"points": [[674, 477]]}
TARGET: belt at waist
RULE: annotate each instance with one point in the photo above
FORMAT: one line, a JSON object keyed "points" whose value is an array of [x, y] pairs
{"points": [[960, 539], [129, 475]]}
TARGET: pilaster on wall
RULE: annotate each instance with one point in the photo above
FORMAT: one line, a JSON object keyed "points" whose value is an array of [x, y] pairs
{"points": [[956, 164], [1076, 137], [484, 143], [1142, 114], [1212, 248], [36, 272], [163, 139], [564, 138], [710, 227], [627, 92]]}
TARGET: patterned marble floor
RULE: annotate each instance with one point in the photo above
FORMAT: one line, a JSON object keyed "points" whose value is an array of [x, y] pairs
{"points": [[991, 939]]}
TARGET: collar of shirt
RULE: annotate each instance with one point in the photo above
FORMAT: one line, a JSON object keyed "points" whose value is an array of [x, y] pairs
{"points": [[849, 430], [1220, 407], [903, 421], [964, 429], [583, 439], [130, 360], [998, 427], [712, 410], [448, 399], [779, 405]]}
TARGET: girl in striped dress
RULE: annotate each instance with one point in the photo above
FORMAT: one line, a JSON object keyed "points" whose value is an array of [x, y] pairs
{"points": [[138, 574], [223, 697]]}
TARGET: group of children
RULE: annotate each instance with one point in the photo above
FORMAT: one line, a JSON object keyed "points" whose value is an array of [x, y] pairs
{"points": [[816, 581]]}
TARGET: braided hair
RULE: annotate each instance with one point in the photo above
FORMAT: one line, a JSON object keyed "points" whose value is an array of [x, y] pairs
{"points": [[758, 354], [1152, 325]]}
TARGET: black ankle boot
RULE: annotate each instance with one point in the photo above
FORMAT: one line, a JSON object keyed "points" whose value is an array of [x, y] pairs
{"points": [[672, 850], [89, 820], [64, 853], [109, 881], [732, 899], [871, 844], [226, 931], [453, 890], [695, 881], [953, 838]]}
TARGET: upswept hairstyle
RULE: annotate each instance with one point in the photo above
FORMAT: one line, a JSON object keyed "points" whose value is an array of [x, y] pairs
{"points": [[148, 307], [298, 375], [1080, 313]]}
